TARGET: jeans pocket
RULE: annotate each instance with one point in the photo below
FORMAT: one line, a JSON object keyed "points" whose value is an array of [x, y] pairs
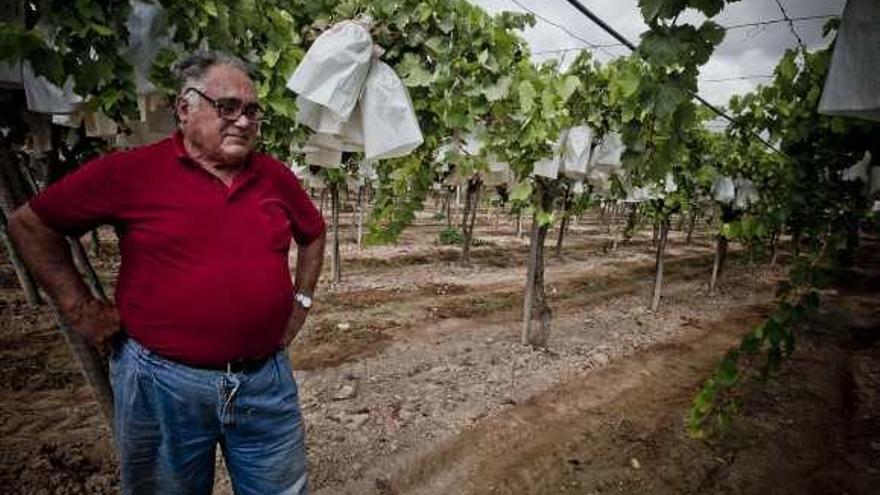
{"points": [[119, 361], [283, 371], [287, 383]]}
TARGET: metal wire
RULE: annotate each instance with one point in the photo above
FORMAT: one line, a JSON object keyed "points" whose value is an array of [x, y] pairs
{"points": [[590, 44], [791, 26], [596, 19], [738, 78], [731, 27]]}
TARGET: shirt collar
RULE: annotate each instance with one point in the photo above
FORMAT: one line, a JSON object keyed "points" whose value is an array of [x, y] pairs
{"points": [[180, 149], [182, 156], [246, 174]]}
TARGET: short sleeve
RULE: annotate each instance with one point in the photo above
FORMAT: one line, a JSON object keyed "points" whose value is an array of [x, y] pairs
{"points": [[82, 200], [305, 219]]}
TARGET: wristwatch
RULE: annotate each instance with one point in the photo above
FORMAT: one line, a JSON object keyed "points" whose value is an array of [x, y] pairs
{"points": [[303, 300]]}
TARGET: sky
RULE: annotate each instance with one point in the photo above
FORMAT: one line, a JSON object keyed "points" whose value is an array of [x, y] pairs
{"points": [[751, 51]]}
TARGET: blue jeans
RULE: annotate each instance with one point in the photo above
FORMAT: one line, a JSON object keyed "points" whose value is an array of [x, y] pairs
{"points": [[170, 417]]}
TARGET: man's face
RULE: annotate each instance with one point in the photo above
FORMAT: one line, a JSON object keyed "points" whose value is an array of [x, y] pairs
{"points": [[226, 141]]}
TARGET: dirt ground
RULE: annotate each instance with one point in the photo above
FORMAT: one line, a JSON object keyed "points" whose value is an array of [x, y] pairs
{"points": [[413, 381]]}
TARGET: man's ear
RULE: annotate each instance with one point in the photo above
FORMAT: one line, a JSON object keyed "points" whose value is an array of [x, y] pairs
{"points": [[181, 109]]}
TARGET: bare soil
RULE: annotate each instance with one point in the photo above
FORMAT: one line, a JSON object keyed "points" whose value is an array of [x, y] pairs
{"points": [[413, 381]]}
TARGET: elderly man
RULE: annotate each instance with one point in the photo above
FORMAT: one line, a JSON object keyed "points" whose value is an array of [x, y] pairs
{"points": [[205, 306]]}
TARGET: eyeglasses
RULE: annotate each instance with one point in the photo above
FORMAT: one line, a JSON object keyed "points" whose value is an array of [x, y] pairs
{"points": [[232, 109]]}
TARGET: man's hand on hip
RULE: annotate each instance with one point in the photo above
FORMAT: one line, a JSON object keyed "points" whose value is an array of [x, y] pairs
{"points": [[95, 320], [47, 254], [309, 258], [297, 318]]}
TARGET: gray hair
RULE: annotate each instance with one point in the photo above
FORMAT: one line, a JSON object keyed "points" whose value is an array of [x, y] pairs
{"points": [[192, 70]]}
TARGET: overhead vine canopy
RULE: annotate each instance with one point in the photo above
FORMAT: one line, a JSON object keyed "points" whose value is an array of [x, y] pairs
{"points": [[80, 40]]}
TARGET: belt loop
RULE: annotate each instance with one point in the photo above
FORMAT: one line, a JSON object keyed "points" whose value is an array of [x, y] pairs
{"points": [[228, 367]]}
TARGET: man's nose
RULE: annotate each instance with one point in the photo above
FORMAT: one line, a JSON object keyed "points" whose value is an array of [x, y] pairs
{"points": [[244, 122]]}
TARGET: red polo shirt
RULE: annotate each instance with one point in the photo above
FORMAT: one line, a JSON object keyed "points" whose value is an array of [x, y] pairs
{"points": [[204, 277]]}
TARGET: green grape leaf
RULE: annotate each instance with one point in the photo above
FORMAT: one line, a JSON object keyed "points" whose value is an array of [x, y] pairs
{"points": [[211, 8], [412, 71], [652, 9], [709, 8], [499, 90], [545, 218], [527, 96], [627, 82], [712, 32], [787, 68], [567, 86], [522, 191]]}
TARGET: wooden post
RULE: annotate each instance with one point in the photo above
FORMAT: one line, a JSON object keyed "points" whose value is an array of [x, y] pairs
{"points": [[796, 241], [519, 225], [323, 199], [94, 366], [661, 248], [25, 279], [537, 315], [529, 290], [774, 247], [691, 224], [566, 196], [631, 221], [449, 208], [82, 263], [96, 243], [468, 219], [359, 217], [14, 191], [335, 262], [718, 264]]}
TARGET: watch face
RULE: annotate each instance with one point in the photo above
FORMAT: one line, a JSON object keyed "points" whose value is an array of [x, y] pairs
{"points": [[304, 300]]}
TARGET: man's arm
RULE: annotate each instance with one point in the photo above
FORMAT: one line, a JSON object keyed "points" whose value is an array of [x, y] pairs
{"points": [[309, 259], [47, 254]]}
